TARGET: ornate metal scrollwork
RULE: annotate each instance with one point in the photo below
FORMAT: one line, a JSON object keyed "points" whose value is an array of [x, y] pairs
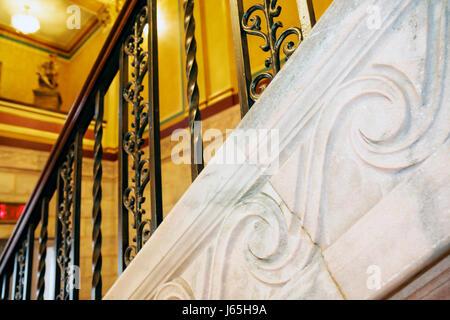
{"points": [[251, 24], [64, 217], [19, 285], [133, 196]]}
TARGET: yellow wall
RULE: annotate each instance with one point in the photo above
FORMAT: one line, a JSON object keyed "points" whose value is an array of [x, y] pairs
{"points": [[20, 63], [170, 59], [216, 59], [320, 6], [217, 77], [80, 65], [19, 66], [215, 56]]}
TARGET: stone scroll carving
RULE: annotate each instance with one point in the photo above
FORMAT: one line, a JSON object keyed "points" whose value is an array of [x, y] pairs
{"points": [[177, 289], [260, 251], [259, 239], [262, 242], [363, 116], [382, 118]]}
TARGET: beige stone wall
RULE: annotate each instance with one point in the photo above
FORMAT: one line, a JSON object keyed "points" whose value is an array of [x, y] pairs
{"points": [[20, 170], [109, 226], [176, 178]]}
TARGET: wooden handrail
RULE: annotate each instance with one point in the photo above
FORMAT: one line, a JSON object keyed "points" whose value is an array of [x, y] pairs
{"points": [[106, 63]]}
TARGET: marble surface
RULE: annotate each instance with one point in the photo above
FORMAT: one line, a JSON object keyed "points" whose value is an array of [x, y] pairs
{"points": [[356, 199]]}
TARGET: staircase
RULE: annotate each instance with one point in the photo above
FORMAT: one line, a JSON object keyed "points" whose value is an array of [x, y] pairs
{"points": [[335, 184]]}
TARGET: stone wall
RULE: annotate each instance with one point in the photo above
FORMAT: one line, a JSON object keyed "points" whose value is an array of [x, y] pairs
{"points": [[21, 168], [19, 172]]}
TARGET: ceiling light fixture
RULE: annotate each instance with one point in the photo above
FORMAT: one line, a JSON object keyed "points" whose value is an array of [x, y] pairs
{"points": [[25, 22]]}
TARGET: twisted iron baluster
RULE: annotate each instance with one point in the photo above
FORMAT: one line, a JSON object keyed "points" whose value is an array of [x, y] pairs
{"points": [[192, 89], [42, 250], [97, 196], [251, 24]]}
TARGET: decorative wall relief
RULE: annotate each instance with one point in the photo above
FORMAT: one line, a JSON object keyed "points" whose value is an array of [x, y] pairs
{"points": [[262, 250], [382, 117], [363, 117], [177, 289], [47, 96]]}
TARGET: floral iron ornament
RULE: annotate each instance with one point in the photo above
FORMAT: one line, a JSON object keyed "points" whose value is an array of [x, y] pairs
{"points": [[251, 24], [133, 197]]}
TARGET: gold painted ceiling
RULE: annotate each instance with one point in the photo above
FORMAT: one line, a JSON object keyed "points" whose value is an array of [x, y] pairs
{"points": [[53, 34]]}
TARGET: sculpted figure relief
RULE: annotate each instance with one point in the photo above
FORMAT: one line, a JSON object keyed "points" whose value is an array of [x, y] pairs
{"points": [[47, 73], [47, 95]]}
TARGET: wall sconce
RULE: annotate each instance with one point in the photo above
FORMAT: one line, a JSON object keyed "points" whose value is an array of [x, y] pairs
{"points": [[25, 22]]}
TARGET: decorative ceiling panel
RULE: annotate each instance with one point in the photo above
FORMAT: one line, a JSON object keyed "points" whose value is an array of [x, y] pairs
{"points": [[54, 33]]}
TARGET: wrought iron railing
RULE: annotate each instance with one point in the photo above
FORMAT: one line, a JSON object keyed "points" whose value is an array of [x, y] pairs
{"points": [[61, 176], [248, 22]]}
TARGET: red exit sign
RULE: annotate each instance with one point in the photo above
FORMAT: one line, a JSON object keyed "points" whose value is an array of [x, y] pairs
{"points": [[10, 212]]}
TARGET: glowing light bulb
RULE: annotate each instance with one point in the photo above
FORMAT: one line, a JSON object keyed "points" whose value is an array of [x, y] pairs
{"points": [[25, 22]]}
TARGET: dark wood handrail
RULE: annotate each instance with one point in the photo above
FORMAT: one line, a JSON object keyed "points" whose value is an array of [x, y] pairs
{"points": [[74, 119]]}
